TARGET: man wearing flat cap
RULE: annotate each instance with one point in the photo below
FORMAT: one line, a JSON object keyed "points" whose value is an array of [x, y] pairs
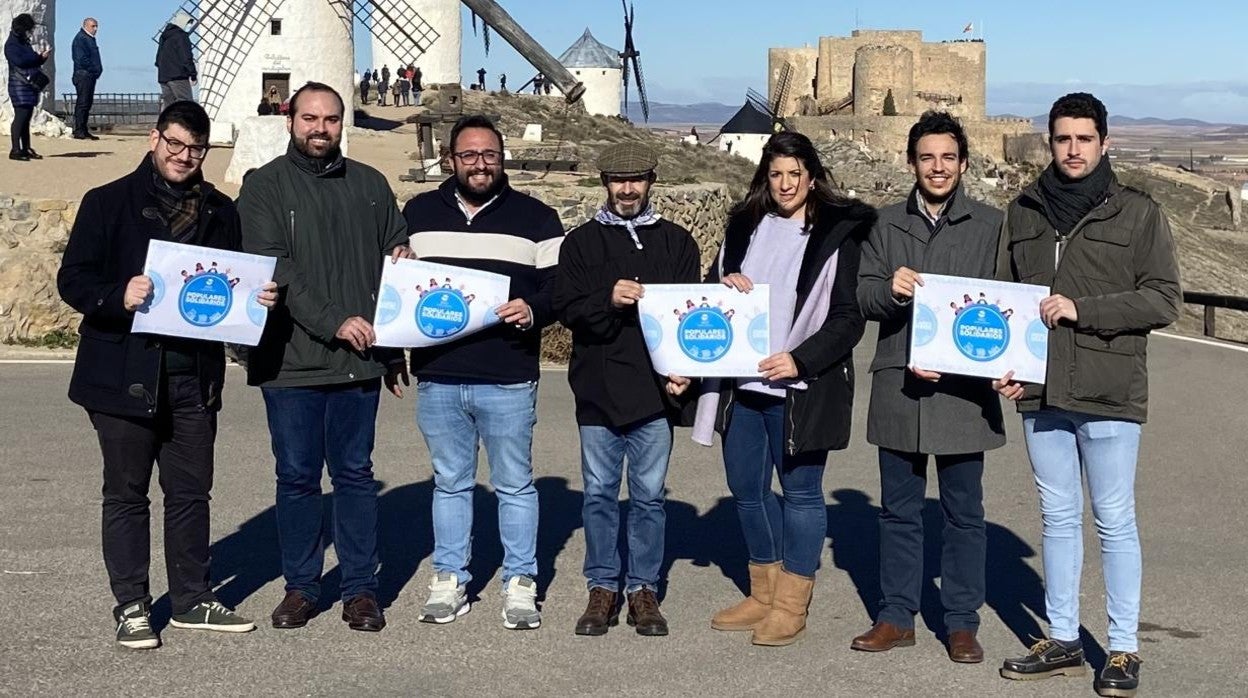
{"points": [[623, 408]]}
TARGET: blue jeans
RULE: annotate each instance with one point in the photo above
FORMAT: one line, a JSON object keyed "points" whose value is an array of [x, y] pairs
{"points": [[313, 427], [1063, 446], [964, 541], [453, 418], [647, 445], [753, 450]]}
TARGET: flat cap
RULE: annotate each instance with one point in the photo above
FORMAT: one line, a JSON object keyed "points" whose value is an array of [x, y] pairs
{"points": [[629, 158]]}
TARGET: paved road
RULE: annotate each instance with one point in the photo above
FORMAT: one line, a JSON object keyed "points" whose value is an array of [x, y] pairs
{"points": [[57, 630]]}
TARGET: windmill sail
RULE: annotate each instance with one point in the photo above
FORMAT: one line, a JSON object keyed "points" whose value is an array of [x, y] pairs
{"points": [[398, 27]]}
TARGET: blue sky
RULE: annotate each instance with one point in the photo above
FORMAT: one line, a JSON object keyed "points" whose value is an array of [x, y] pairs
{"points": [[1145, 58]]}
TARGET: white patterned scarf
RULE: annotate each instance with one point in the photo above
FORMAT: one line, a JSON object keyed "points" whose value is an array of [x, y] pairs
{"points": [[606, 216]]}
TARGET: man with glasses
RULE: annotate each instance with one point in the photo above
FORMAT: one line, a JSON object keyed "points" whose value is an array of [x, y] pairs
{"points": [[150, 398], [316, 364], [484, 387], [87, 69]]}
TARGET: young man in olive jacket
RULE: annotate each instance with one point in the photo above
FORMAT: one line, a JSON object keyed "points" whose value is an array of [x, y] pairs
{"points": [[151, 398], [328, 221], [914, 413], [1107, 255], [622, 406]]}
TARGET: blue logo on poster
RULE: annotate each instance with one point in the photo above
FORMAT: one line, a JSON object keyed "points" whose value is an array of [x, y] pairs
{"points": [[255, 312], [923, 325], [1038, 339], [158, 291], [442, 313], [389, 305], [206, 299], [758, 333], [652, 331], [981, 332], [705, 334]]}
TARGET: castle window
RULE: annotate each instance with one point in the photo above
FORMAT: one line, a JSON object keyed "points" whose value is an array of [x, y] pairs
{"points": [[275, 27]]}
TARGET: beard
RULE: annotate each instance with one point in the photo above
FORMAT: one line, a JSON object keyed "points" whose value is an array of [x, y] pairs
{"points": [[304, 144], [628, 208], [478, 195]]}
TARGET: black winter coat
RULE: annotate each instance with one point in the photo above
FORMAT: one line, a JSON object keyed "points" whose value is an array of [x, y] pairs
{"points": [[174, 60], [118, 372], [819, 417]]}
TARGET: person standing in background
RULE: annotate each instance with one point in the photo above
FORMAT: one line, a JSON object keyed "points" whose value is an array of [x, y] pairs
{"points": [[175, 64], [87, 69]]}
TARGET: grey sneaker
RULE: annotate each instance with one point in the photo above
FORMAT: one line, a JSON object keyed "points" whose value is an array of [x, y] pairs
{"points": [[134, 628], [520, 604], [448, 599], [211, 615]]}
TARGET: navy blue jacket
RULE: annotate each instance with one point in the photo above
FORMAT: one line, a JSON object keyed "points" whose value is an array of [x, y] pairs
{"points": [[21, 58], [118, 372], [174, 60], [516, 236], [87, 55]]}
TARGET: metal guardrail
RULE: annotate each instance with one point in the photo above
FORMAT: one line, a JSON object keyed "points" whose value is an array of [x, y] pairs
{"points": [[113, 108], [1213, 301]]}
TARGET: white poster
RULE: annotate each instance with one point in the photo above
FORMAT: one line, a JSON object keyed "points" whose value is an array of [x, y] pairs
{"points": [[422, 304], [705, 330], [977, 327], [204, 293]]}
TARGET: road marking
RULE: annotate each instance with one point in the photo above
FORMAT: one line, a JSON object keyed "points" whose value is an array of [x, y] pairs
{"points": [[1207, 342]]}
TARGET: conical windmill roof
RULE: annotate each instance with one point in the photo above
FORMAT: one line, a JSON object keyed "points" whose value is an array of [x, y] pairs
{"points": [[589, 52], [748, 120]]}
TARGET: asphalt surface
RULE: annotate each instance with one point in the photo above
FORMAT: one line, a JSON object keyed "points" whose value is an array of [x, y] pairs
{"points": [[57, 636]]}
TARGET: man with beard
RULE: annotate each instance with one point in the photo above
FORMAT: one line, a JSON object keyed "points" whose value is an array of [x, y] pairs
{"points": [[316, 364], [151, 399], [622, 406], [915, 413], [483, 388], [1107, 255]]}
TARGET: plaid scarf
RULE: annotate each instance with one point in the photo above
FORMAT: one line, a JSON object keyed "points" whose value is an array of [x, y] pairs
{"points": [[649, 216], [179, 205]]}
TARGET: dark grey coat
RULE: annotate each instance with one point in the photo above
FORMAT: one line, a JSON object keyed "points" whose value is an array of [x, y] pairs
{"points": [[957, 414]]}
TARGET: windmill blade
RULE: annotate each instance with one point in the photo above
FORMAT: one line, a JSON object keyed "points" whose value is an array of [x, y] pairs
{"points": [[631, 55], [641, 89], [398, 27]]}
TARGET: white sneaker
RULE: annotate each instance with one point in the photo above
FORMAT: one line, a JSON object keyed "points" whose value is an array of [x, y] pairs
{"points": [[520, 604], [448, 599]]}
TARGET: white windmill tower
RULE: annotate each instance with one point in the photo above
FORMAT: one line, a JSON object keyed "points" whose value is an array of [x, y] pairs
{"points": [[598, 66], [439, 63], [245, 46]]}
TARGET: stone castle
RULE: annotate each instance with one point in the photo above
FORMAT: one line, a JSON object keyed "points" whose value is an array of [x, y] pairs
{"points": [[844, 87]]}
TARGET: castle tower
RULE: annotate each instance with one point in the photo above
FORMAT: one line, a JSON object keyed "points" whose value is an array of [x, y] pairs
{"points": [[441, 63], [879, 70], [597, 66]]}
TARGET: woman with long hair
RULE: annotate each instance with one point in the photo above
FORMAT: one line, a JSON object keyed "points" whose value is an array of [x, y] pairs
{"points": [[794, 233], [24, 64]]}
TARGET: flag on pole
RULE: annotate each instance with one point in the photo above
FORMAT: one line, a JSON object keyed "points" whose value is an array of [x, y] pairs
{"points": [[970, 27]]}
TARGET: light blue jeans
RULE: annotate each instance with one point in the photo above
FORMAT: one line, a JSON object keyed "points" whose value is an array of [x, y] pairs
{"points": [[1063, 446], [648, 446], [454, 418]]}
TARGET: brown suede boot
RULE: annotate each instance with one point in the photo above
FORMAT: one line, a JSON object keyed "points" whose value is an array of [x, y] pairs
{"points": [[750, 612], [786, 620]]}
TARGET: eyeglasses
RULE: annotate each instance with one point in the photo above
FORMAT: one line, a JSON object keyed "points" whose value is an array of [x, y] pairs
{"points": [[198, 152], [470, 157]]}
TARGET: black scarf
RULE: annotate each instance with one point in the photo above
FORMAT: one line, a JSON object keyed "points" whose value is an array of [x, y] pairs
{"points": [[318, 167], [180, 203], [1067, 201]]}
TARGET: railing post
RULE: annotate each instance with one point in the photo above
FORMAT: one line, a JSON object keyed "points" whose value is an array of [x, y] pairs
{"points": [[1210, 324]]}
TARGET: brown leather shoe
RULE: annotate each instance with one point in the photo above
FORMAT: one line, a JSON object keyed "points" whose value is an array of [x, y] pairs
{"points": [[644, 614], [363, 613], [600, 614], [883, 637], [294, 611], [964, 648]]}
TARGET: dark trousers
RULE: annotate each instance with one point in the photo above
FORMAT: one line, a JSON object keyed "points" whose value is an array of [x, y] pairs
{"points": [[312, 428], [20, 130], [85, 86], [903, 479], [180, 439]]}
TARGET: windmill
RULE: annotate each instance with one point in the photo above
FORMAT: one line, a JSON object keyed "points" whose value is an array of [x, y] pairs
{"points": [[312, 40], [631, 55]]}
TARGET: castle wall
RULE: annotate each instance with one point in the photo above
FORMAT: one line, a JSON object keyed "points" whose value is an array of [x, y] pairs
{"points": [[888, 133], [879, 70], [956, 70]]}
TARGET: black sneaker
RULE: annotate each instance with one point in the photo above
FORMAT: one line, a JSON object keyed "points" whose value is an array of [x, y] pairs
{"points": [[1121, 676], [134, 627], [1046, 658], [211, 615]]}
